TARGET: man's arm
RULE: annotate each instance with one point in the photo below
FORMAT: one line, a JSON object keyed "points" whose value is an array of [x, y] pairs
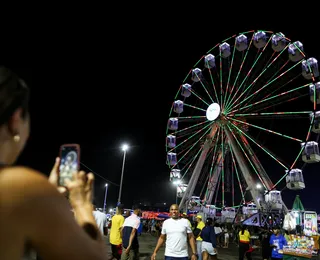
{"points": [[160, 242], [133, 232], [192, 242]]}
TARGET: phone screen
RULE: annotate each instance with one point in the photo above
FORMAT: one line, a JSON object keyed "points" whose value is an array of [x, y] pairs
{"points": [[69, 162]]}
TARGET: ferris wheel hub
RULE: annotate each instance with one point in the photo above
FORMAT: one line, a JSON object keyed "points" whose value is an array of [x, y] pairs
{"points": [[213, 111]]}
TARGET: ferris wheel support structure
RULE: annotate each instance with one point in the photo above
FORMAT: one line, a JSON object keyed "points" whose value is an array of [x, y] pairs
{"points": [[213, 181], [264, 176], [195, 175], [256, 195]]}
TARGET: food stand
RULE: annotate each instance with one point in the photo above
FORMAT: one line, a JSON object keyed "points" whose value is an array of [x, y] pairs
{"points": [[305, 243], [299, 248]]}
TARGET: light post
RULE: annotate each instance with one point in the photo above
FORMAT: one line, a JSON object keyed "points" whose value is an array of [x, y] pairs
{"points": [[125, 147], [105, 198]]}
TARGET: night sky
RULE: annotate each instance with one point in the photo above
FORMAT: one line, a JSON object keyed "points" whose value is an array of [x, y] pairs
{"points": [[105, 88]]}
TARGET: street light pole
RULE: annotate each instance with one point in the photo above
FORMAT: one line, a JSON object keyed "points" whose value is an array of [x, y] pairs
{"points": [[105, 199], [124, 149]]}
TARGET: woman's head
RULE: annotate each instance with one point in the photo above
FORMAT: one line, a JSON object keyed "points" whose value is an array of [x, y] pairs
{"points": [[209, 221], [14, 116]]}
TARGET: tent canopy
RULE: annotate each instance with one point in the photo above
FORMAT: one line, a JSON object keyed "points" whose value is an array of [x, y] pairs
{"points": [[297, 204]]}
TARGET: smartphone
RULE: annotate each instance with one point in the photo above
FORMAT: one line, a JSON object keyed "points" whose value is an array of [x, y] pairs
{"points": [[69, 162]]}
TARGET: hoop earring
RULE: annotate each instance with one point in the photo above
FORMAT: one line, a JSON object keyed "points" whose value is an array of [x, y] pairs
{"points": [[16, 138]]}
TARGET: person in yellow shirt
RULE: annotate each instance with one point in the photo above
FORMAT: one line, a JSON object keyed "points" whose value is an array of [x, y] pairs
{"points": [[115, 235], [197, 232], [184, 215], [244, 243]]}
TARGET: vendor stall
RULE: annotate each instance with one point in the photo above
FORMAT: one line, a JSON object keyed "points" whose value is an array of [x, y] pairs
{"points": [[298, 248]]}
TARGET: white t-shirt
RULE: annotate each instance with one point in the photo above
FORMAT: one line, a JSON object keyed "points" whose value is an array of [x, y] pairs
{"points": [[177, 231], [101, 220]]}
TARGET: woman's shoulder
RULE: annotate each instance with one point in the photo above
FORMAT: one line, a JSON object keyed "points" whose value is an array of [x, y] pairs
{"points": [[18, 183], [16, 175]]}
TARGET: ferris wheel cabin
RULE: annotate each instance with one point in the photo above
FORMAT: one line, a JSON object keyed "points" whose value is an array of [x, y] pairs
{"points": [[173, 123], [171, 141], [310, 152], [310, 68], [294, 179], [273, 198], [186, 90], [316, 122], [178, 106], [314, 92], [172, 158], [175, 176], [278, 42], [296, 51], [241, 42], [225, 50], [209, 61], [260, 39]]}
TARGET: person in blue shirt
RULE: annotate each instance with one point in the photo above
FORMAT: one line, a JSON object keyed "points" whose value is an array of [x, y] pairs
{"points": [[209, 242], [277, 241]]}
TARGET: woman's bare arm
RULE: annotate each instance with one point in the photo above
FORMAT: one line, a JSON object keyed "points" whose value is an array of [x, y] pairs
{"points": [[45, 218]]}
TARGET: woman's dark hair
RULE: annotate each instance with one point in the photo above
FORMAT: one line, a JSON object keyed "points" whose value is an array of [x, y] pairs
{"points": [[243, 228], [14, 94], [209, 221]]}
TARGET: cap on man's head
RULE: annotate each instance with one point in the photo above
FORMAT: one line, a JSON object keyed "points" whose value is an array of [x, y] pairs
{"points": [[184, 214], [199, 216]]}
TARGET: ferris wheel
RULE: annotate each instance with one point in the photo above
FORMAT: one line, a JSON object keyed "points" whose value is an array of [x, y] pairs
{"points": [[245, 120]]}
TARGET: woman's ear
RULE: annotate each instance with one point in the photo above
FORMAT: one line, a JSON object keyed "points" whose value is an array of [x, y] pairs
{"points": [[14, 122]]}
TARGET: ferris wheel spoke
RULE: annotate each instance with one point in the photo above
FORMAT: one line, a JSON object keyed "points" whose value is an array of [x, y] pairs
{"points": [[261, 147], [252, 67], [191, 132], [279, 103], [213, 85], [189, 165], [303, 147], [273, 92], [193, 135], [270, 98], [246, 155], [271, 78], [198, 96], [237, 173], [267, 130], [190, 127], [240, 69], [229, 74], [204, 87], [274, 115], [263, 87], [206, 132], [198, 108]]}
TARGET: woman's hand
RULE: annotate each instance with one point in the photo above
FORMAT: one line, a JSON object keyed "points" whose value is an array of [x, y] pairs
{"points": [[80, 189], [54, 177]]}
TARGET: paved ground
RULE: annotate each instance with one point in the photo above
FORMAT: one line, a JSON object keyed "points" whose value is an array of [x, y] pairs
{"points": [[148, 242]]}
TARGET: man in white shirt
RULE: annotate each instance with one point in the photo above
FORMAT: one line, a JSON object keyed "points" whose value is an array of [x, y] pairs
{"points": [[176, 232], [101, 220]]}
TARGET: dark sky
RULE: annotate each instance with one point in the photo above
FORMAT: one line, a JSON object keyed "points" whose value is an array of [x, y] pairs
{"points": [[101, 86]]}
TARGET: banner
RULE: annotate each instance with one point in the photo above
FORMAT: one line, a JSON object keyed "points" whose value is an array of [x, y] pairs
{"points": [[310, 223]]}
